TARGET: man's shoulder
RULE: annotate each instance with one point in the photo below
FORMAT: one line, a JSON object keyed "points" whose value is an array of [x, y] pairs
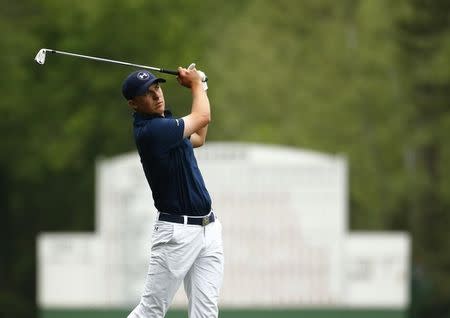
{"points": [[158, 129], [141, 119]]}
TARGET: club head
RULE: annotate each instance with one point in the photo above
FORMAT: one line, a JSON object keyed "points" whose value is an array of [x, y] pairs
{"points": [[40, 56]]}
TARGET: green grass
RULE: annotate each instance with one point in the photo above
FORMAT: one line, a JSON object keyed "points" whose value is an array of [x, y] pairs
{"points": [[236, 313]]}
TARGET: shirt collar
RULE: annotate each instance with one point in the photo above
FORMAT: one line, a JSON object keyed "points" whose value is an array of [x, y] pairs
{"points": [[142, 116]]}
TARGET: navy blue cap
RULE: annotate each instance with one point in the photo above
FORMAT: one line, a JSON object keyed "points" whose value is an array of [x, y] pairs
{"points": [[138, 82]]}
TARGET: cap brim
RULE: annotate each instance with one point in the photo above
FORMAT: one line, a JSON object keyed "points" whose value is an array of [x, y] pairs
{"points": [[144, 87]]}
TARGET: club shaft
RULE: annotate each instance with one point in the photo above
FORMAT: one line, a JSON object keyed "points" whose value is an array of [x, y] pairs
{"points": [[161, 70]]}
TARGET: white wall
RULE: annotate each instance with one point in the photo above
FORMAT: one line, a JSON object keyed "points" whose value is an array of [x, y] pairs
{"points": [[284, 214]]}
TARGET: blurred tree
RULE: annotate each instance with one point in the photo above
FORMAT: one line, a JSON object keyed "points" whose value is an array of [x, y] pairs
{"points": [[368, 79], [424, 56], [16, 234], [57, 119], [321, 77], [365, 78]]}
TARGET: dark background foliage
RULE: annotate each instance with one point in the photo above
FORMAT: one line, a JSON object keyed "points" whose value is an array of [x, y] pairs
{"points": [[368, 79]]}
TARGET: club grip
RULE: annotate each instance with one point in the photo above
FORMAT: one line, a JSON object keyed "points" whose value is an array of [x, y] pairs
{"points": [[168, 71]]}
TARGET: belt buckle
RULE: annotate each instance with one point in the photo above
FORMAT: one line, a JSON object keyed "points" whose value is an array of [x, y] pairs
{"points": [[205, 221]]}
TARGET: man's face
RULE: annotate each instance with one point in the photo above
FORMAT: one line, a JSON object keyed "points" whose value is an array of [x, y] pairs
{"points": [[150, 103]]}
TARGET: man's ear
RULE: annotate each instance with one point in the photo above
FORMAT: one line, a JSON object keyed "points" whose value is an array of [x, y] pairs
{"points": [[132, 104]]}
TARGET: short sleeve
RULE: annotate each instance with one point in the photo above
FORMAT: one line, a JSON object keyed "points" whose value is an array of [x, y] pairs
{"points": [[162, 134]]}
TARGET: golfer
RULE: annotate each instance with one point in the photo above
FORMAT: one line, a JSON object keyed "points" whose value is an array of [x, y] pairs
{"points": [[187, 236]]}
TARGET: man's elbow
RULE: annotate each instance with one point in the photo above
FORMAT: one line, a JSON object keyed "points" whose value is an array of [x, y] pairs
{"points": [[205, 119], [197, 140], [200, 143]]}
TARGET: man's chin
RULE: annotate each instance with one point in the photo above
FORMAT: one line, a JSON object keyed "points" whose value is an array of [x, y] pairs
{"points": [[160, 109]]}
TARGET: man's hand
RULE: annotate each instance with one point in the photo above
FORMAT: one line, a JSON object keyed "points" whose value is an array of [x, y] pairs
{"points": [[189, 78], [202, 75]]}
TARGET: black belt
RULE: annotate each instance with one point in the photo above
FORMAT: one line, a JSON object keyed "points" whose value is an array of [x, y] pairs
{"points": [[203, 221]]}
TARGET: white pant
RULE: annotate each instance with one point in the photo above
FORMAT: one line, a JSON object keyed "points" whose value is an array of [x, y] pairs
{"points": [[192, 253]]}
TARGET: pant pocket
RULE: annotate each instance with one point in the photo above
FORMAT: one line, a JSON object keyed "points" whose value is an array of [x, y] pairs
{"points": [[162, 233]]}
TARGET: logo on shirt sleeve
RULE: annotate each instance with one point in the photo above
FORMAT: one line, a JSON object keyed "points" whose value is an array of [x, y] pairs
{"points": [[178, 122]]}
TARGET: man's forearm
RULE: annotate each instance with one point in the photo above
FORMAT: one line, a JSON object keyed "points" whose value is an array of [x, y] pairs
{"points": [[200, 114], [200, 102]]}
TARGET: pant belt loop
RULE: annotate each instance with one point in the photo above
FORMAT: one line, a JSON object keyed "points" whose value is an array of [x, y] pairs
{"points": [[185, 219]]}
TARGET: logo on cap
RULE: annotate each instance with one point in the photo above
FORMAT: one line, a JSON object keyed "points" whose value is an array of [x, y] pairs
{"points": [[143, 75]]}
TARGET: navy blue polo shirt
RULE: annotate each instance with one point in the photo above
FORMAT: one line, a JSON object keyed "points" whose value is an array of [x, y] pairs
{"points": [[170, 165]]}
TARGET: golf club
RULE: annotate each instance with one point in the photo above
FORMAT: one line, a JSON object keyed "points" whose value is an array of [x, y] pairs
{"points": [[41, 55]]}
